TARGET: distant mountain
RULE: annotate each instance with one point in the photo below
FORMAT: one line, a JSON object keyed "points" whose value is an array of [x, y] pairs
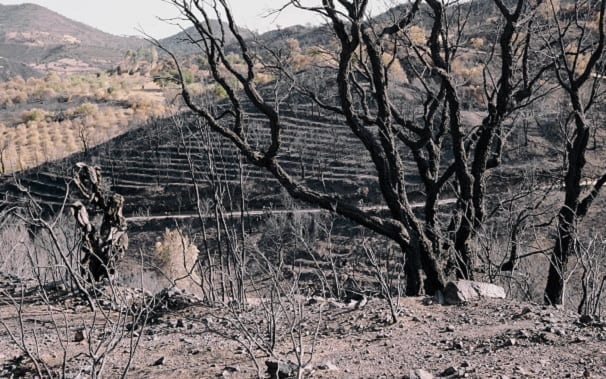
{"points": [[181, 44], [39, 37]]}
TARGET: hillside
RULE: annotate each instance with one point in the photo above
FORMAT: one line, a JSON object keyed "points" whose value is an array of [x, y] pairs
{"points": [[62, 81], [482, 339], [149, 166], [10, 69], [327, 209], [34, 35], [180, 43]]}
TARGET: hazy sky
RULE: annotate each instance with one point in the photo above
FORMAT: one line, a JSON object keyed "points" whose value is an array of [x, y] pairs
{"points": [[125, 16]]}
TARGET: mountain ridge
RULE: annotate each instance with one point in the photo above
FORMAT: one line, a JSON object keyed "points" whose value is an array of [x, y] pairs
{"points": [[37, 36]]}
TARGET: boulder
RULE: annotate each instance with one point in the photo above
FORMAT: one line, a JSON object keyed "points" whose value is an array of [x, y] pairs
{"points": [[463, 291]]}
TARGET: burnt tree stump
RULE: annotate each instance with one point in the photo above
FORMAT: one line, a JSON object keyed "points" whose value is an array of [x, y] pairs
{"points": [[104, 243]]}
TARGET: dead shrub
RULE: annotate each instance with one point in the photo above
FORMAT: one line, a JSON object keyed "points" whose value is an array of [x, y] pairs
{"points": [[176, 257], [34, 115], [140, 103]]}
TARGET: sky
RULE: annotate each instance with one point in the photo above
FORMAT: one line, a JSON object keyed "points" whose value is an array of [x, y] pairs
{"points": [[125, 17]]}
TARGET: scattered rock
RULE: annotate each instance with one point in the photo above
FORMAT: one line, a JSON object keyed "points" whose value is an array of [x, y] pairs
{"points": [[280, 370], [521, 370], [511, 342], [524, 334], [80, 335], [586, 319], [449, 371], [549, 338], [159, 362], [329, 366], [466, 290], [420, 374], [428, 300], [457, 345], [360, 304], [580, 339], [526, 312]]}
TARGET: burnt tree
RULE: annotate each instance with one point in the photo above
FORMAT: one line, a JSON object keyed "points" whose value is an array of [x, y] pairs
{"points": [[577, 42], [448, 152], [103, 243]]}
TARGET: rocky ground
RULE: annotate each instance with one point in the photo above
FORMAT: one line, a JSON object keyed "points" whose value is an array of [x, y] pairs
{"points": [[178, 337]]}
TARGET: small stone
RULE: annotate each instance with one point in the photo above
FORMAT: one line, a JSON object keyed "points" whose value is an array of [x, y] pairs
{"points": [[511, 342], [159, 362], [521, 370], [449, 371], [420, 374], [280, 370], [80, 335], [329, 366], [524, 334], [231, 369], [450, 328], [586, 319], [360, 304], [549, 337], [180, 323]]}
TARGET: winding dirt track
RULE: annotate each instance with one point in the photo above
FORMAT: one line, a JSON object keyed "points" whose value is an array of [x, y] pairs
{"points": [[262, 212]]}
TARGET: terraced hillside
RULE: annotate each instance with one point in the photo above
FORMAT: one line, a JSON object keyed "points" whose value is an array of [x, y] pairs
{"points": [[151, 166]]}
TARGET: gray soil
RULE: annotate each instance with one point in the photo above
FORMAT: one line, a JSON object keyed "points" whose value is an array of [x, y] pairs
{"points": [[183, 338]]}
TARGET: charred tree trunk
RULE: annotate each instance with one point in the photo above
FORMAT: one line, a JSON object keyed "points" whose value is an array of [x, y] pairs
{"points": [[364, 100], [103, 244], [558, 263], [573, 78], [569, 214]]}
